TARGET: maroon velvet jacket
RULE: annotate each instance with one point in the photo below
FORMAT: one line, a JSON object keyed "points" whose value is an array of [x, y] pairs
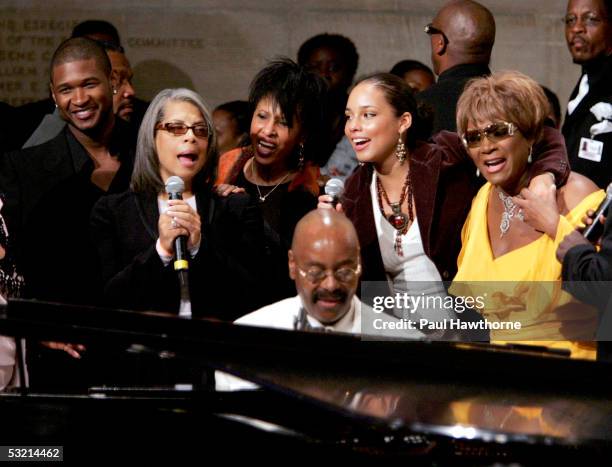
{"points": [[444, 181]]}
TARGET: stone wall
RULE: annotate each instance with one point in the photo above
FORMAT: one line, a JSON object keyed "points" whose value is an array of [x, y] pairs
{"points": [[216, 46]]}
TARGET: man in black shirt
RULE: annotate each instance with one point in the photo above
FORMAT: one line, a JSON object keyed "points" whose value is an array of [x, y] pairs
{"points": [[50, 189]]}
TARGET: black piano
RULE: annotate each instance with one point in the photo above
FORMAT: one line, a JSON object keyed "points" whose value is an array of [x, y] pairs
{"points": [[322, 397]]}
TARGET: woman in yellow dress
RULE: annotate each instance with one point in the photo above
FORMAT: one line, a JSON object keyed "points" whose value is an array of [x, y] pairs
{"points": [[510, 236]]}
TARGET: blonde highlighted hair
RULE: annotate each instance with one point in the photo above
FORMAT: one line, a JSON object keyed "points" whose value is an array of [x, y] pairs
{"points": [[508, 96]]}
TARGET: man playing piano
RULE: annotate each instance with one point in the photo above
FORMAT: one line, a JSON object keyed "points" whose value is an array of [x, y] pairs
{"points": [[324, 262]]}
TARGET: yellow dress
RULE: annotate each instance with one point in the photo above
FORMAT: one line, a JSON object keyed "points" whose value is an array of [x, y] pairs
{"points": [[524, 285]]}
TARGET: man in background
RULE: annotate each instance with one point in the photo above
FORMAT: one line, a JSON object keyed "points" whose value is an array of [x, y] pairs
{"points": [[588, 122], [461, 36]]}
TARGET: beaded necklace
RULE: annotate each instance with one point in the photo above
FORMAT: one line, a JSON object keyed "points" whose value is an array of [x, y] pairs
{"points": [[399, 220]]}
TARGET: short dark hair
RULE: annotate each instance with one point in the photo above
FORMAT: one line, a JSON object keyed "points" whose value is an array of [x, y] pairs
{"points": [[80, 48], [401, 97], [242, 112], [403, 67], [343, 45], [300, 94], [97, 26]]}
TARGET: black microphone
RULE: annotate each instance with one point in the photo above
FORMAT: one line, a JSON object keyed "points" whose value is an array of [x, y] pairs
{"points": [[175, 187], [594, 231], [334, 188]]}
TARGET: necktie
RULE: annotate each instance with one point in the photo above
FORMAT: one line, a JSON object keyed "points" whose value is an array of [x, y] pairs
{"points": [[583, 90]]}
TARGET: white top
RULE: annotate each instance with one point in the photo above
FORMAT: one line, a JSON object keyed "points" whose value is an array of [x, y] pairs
{"points": [[414, 273], [282, 315]]}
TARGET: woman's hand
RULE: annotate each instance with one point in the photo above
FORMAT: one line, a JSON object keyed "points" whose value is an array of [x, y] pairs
{"points": [[325, 202], [179, 219], [225, 189], [540, 211]]}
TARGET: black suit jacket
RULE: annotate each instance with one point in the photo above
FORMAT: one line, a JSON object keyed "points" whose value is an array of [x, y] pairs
{"points": [[442, 97], [49, 197], [587, 275], [223, 276], [577, 124]]}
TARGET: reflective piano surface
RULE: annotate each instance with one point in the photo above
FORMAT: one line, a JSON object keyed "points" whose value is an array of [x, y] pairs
{"points": [[332, 396]]}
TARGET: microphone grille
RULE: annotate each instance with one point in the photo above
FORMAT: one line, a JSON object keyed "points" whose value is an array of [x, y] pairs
{"points": [[175, 184], [334, 187]]}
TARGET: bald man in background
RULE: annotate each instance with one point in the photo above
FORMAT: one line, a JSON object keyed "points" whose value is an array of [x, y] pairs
{"points": [[462, 36]]}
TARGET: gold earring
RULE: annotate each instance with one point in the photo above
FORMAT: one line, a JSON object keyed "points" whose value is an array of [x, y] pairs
{"points": [[400, 151]]}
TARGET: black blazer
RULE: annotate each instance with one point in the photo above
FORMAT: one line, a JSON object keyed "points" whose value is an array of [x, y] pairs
{"points": [[443, 95], [48, 202], [223, 275]]}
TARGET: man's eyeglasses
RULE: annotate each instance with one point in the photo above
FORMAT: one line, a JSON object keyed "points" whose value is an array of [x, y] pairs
{"points": [[588, 19], [316, 275], [431, 29], [494, 132], [178, 129]]}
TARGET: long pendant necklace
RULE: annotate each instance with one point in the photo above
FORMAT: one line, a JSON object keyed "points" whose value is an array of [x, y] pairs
{"points": [[399, 220], [262, 198], [510, 211]]}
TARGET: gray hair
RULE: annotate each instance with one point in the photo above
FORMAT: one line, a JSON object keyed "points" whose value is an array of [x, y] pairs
{"points": [[146, 175]]}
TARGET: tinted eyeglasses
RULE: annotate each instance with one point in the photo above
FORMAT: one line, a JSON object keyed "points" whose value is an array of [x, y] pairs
{"points": [[431, 29], [178, 129], [494, 132], [316, 275]]}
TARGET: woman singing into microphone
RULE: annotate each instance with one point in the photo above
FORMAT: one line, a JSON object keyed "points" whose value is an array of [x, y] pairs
{"points": [[135, 231]]}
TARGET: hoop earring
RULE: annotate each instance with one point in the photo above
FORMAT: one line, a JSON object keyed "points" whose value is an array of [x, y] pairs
{"points": [[530, 156], [400, 151]]}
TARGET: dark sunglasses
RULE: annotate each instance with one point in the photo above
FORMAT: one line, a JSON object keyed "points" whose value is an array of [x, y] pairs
{"points": [[178, 129], [494, 132], [431, 29]]}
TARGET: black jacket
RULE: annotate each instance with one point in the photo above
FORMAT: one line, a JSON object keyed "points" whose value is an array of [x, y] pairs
{"points": [[442, 97], [587, 275], [577, 125], [223, 275], [49, 197]]}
